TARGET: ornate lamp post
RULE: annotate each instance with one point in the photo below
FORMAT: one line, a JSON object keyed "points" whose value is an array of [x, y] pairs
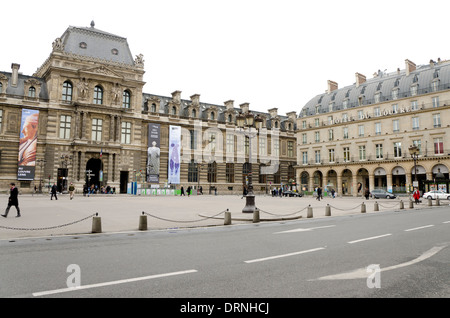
{"points": [[414, 151], [249, 121]]}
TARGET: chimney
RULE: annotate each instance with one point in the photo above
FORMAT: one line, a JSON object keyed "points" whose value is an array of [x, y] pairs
{"points": [[245, 108], [332, 86], [195, 99], [229, 104], [176, 96], [360, 79], [410, 67], [292, 115], [273, 112], [15, 74]]}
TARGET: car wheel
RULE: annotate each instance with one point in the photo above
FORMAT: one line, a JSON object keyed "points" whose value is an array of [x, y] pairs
{"points": [[448, 198], [429, 197]]}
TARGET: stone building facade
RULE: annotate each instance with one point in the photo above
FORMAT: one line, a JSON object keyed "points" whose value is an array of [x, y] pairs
{"points": [[360, 136], [94, 125]]}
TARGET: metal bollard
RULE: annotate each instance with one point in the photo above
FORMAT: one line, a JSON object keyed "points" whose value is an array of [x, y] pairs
{"points": [[363, 208], [402, 206], [438, 202], [328, 210], [227, 218], [96, 224], [256, 216], [430, 202], [375, 207], [310, 212], [143, 222]]}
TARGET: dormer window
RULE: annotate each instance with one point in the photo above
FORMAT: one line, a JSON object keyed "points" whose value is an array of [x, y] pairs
{"points": [[83, 45], [32, 92], [115, 52], [194, 113], [174, 110], [212, 116], [153, 108]]}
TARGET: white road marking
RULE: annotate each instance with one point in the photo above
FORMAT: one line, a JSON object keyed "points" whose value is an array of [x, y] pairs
{"points": [[123, 281], [305, 230], [369, 238], [446, 222], [418, 228], [284, 255], [362, 272]]}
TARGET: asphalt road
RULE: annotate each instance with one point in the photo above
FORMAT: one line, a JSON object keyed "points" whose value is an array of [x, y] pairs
{"points": [[407, 253]]}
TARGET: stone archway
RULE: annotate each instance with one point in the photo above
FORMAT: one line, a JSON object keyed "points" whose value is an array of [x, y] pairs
{"points": [[347, 182], [94, 171], [380, 178]]}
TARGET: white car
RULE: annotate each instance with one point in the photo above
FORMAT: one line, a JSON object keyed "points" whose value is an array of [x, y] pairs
{"points": [[436, 194]]}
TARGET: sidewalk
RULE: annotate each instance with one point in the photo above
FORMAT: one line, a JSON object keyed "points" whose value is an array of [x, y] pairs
{"points": [[120, 213]]}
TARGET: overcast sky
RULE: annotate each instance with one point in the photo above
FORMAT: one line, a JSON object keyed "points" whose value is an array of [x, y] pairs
{"points": [[271, 54]]}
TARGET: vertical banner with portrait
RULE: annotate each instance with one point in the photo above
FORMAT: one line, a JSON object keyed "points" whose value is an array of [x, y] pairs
{"points": [[153, 153], [28, 144], [174, 154]]}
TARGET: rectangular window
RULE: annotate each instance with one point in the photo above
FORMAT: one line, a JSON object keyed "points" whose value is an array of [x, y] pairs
{"points": [[414, 105], [435, 101], [436, 120], [316, 122], [263, 146], [331, 155], [290, 146], [397, 149], [377, 112], [305, 157], [230, 143], [304, 124], [345, 104], [414, 90], [395, 108], [276, 148], [230, 172], [379, 151], [377, 128], [438, 146], [345, 132], [395, 125], [360, 114], [362, 152], [330, 120], [192, 171], [1, 119], [194, 139], [346, 154], [317, 136], [212, 143], [97, 129], [415, 123], [395, 93], [317, 156], [304, 139], [330, 134], [361, 130], [64, 126], [344, 117], [126, 133]]}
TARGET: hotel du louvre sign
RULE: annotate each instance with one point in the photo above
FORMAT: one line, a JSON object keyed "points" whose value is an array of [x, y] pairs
{"points": [[366, 115]]}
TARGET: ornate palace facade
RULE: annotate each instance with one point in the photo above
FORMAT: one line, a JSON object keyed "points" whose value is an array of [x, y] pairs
{"points": [[94, 120]]}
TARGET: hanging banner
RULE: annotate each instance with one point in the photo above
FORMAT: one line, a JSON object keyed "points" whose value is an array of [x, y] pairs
{"points": [[28, 144], [174, 154], [153, 153]]}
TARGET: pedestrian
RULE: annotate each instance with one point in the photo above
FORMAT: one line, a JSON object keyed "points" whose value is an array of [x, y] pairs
{"points": [[182, 191], [367, 193], [188, 191], [332, 193], [244, 192], [319, 193], [201, 190], [416, 195], [71, 190], [54, 189], [13, 200]]}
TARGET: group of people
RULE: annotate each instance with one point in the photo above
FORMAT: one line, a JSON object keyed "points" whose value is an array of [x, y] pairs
{"points": [[188, 191]]}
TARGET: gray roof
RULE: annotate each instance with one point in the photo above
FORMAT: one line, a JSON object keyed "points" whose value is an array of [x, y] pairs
{"points": [[19, 89], [384, 84], [92, 42]]}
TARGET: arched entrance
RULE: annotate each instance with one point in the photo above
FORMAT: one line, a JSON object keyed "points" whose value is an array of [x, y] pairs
{"points": [[94, 171], [380, 181], [419, 175], [304, 181], [363, 180], [332, 180], [398, 180], [347, 182]]}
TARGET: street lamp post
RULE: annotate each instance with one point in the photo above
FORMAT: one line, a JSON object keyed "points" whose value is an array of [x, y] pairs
{"points": [[414, 151], [248, 121]]}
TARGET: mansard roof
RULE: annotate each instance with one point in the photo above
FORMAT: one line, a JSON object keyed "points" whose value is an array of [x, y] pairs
{"points": [[384, 85], [94, 43]]}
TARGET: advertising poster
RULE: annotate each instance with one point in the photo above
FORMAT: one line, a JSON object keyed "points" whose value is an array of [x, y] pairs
{"points": [[153, 153], [174, 154], [28, 144]]}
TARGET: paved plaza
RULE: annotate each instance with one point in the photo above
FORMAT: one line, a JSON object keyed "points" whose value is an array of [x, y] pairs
{"points": [[121, 213]]}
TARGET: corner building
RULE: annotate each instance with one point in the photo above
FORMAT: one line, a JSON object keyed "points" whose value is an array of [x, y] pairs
{"points": [[360, 136], [94, 120]]}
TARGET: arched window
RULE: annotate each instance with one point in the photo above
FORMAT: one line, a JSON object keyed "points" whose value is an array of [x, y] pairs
{"points": [[126, 101], [153, 108], [194, 113], [174, 110], [98, 95], [67, 91], [1, 88], [212, 115], [32, 92], [230, 118]]}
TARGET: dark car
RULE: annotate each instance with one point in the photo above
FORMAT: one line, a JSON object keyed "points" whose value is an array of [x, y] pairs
{"points": [[290, 193], [379, 193]]}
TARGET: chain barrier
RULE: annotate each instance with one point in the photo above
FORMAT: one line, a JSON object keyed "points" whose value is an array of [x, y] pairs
{"points": [[283, 214], [345, 209], [190, 221], [46, 228], [389, 207]]}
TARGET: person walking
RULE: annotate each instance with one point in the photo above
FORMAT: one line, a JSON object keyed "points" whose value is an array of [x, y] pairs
{"points": [[13, 200], [367, 193], [53, 192], [319, 193], [182, 191], [188, 190], [416, 195], [71, 190]]}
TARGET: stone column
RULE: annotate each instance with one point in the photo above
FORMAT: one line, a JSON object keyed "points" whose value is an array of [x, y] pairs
{"points": [[355, 185], [339, 185], [389, 181], [371, 182]]}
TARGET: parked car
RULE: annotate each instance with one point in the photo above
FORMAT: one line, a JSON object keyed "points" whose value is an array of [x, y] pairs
{"points": [[436, 194], [290, 193], [379, 193]]}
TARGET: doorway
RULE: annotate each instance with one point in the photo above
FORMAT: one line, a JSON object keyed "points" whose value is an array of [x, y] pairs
{"points": [[94, 169], [123, 181]]}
